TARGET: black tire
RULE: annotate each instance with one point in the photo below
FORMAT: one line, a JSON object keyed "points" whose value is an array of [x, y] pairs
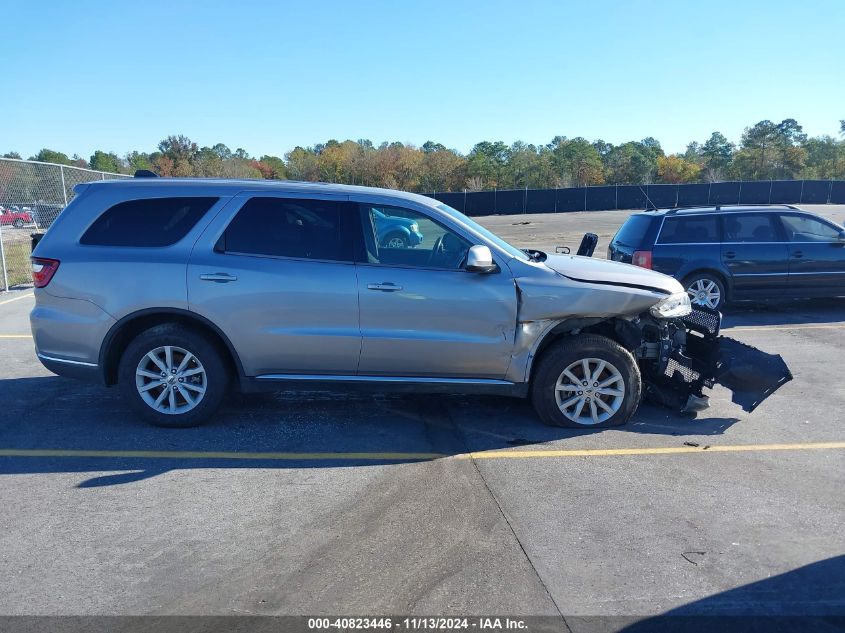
{"points": [[706, 278], [217, 377], [572, 349], [395, 236], [18, 223]]}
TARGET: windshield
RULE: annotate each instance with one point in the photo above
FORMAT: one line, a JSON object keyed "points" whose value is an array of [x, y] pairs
{"points": [[486, 233]]}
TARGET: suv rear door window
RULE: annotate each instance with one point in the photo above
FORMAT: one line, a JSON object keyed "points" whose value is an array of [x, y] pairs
{"points": [[147, 222], [695, 229], [751, 227], [289, 227]]}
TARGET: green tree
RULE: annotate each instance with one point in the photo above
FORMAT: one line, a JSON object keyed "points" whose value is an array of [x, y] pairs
{"points": [[106, 161], [442, 169], [576, 162], [771, 150], [275, 165], [222, 151], [675, 169], [302, 164], [487, 162], [825, 158], [717, 155], [632, 162], [177, 155], [207, 163], [51, 156], [138, 160], [12, 155]]}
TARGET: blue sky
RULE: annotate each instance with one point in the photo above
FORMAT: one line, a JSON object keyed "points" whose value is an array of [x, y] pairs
{"points": [[268, 76]]}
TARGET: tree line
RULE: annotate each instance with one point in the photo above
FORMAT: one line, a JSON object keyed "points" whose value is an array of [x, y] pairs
{"points": [[766, 150]]}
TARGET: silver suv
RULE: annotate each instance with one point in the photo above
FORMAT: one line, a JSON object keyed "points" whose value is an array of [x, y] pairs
{"points": [[176, 289]]}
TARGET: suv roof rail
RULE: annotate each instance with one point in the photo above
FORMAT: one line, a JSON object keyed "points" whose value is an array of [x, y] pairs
{"points": [[718, 207], [145, 173]]}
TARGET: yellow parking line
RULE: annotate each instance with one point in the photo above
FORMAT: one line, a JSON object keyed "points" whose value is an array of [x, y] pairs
{"points": [[494, 454], [660, 450], [16, 299], [14, 452], [766, 328], [15, 335]]}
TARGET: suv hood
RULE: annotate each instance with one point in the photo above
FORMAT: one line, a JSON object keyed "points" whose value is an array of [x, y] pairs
{"points": [[603, 271]]}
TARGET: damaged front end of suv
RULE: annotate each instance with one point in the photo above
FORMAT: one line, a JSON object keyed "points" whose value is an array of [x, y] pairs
{"points": [[681, 357], [678, 347]]}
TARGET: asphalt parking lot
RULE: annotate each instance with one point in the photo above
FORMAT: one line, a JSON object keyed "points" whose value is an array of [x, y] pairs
{"points": [[326, 503]]}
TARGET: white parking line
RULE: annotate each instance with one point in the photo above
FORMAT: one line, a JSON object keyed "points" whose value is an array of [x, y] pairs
{"points": [[16, 299]]}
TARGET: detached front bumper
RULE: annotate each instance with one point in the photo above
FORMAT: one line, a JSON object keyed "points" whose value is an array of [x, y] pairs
{"points": [[691, 356]]}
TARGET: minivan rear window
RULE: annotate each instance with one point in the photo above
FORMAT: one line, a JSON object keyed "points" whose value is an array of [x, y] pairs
{"points": [[634, 230], [694, 229], [147, 222]]}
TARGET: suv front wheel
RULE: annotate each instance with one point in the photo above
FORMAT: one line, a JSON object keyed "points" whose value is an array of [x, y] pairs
{"points": [[586, 381], [173, 376]]}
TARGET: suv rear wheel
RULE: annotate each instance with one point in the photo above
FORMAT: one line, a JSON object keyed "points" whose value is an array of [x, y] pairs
{"points": [[173, 376], [586, 381], [705, 289]]}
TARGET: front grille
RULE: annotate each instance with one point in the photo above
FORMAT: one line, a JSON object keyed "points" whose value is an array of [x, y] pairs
{"points": [[687, 373], [689, 370], [704, 320]]}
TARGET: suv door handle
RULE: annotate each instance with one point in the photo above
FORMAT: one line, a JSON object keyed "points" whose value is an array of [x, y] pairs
{"points": [[220, 278], [798, 254], [385, 286], [730, 254]]}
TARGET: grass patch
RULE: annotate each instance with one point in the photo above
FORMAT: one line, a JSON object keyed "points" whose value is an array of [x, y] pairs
{"points": [[18, 267]]}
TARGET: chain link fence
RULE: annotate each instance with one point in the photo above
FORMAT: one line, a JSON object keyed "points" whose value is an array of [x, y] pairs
{"points": [[32, 195]]}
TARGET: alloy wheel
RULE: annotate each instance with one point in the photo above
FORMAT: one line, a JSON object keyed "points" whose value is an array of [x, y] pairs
{"points": [[590, 391], [705, 292], [171, 380]]}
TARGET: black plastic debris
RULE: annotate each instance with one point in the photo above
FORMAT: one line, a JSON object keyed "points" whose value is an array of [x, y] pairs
{"points": [[751, 374]]}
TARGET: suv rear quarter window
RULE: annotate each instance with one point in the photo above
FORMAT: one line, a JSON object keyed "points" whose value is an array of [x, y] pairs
{"points": [[147, 222], [694, 229]]}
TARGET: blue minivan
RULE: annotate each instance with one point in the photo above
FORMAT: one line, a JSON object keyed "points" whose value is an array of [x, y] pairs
{"points": [[737, 252]]}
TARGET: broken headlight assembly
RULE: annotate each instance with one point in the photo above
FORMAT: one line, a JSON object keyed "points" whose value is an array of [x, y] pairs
{"points": [[672, 307]]}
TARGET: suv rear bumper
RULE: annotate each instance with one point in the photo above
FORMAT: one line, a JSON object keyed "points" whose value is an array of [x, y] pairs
{"points": [[68, 334], [89, 372]]}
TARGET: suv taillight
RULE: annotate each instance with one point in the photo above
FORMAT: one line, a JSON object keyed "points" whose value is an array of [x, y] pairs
{"points": [[43, 270], [642, 259]]}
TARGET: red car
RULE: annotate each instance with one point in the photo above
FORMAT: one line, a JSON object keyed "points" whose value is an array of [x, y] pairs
{"points": [[15, 218]]}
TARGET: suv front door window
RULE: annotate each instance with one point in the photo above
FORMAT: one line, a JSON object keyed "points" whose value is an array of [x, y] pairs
{"points": [[422, 313]]}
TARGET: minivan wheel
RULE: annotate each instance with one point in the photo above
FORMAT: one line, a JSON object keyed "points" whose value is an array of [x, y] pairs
{"points": [[395, 240], [173, 376], [586, 381], [705, 289]]}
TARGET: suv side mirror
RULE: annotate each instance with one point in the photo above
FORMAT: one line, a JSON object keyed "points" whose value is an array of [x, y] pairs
{"points": [[842, 235], [480, 260]]}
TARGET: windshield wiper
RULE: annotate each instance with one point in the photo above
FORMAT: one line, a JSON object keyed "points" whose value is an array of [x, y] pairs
{"points": [[535, 255]]}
